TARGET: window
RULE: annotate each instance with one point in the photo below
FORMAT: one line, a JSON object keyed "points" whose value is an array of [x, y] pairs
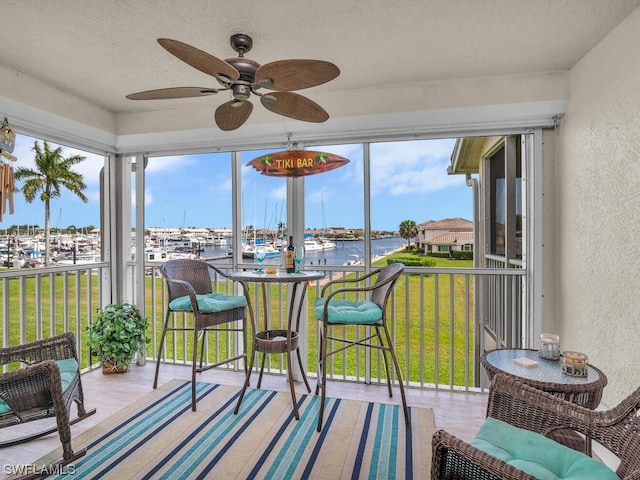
{"points": [[505, 199], [334, 210], [264, 210], [188, 206]]}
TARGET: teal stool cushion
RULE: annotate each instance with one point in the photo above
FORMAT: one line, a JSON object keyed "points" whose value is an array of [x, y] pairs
{"points": [[68, 369], [209, 303], [536, 454], [346, 311]]}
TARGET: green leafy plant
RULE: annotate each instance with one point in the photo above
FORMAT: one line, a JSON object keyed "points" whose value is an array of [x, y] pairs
{"points": [[117, 333]]}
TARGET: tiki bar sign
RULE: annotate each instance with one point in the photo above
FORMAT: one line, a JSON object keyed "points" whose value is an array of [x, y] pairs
{"points": [[296, 163]]}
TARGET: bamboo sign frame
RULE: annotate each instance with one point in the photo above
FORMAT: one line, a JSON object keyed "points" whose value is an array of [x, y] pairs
{"points": [[296, 163]]}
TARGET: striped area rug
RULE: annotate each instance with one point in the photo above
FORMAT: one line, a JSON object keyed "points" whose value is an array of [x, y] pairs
{"points": [[160, 437]]}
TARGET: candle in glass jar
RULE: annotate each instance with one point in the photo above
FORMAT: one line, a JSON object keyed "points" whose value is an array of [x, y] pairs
{"points": [[571, 359], [549, 346], [575, 363]]}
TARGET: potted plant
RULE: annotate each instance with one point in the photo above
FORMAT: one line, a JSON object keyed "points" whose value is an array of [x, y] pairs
{"points": [[116, 335]]}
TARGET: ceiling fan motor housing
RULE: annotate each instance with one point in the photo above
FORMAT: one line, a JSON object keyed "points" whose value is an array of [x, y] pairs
{"points": [[241, 91], [245, 67]]}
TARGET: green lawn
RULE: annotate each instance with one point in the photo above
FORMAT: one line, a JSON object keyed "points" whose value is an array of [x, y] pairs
{"points": [[416, 324]]}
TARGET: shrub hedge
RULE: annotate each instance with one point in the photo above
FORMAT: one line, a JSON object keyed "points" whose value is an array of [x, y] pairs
{"points": [[410, 260]]}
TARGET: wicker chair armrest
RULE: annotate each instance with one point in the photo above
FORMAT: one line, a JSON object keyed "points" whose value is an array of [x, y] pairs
{"points": [[349, 290], [455, 459], [346, 280], [182, 283], [353, 289], [58, 347], [36, 386], [218, 271]]}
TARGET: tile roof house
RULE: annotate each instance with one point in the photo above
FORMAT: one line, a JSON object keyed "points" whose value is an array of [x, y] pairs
{"points": [[445, 235]]}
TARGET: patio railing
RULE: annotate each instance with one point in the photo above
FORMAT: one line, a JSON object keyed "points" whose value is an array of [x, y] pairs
{"points": [[433, 316], [38, 303]]}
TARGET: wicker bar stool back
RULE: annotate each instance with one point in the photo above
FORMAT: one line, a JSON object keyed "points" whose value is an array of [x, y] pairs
{"points": [[340, 306], [48, 387], [191, 292]]}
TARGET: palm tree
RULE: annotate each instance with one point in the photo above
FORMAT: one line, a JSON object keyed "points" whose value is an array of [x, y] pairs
{"points": [[282, 230], [408, 230], [51, 173]]}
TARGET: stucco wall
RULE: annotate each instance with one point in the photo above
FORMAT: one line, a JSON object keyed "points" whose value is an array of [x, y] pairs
{"points": [[597, 215]]}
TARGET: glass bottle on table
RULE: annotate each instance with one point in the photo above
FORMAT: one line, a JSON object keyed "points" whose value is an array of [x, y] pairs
{"points": [[283, 256], [290, 261]]}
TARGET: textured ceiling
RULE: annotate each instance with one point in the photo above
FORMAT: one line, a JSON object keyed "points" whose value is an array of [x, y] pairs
{"points": [[102, 50]]}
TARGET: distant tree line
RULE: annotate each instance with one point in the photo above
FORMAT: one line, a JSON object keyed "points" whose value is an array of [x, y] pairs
{"points": [[36, 229]]}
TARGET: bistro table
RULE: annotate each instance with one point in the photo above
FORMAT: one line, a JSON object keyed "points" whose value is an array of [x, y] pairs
{"points": [[549, 377], [267, 340]]}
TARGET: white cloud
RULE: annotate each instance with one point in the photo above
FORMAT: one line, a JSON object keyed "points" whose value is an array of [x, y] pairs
{"points": [[148, 197], [89, 168], [412, 167], [169, 164], [279, 193]]}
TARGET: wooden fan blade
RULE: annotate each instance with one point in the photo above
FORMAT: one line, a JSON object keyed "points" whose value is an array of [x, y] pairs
{"points": [[293, 105], [203, 61], [287, 75], [174, 92], [233, 114]]}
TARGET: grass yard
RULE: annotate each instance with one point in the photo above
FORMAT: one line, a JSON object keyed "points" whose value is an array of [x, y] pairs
{"points": [[433, 325]]}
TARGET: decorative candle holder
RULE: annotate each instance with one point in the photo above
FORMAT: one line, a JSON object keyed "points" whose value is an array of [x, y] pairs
{"points": [[549, 346], [574, 364]]}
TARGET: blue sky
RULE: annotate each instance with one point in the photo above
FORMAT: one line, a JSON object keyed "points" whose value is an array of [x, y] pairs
{"points": [[409, 182]]}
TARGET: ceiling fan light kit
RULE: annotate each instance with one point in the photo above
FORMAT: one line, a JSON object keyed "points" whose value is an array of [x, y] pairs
{"points": [[245, 77]]}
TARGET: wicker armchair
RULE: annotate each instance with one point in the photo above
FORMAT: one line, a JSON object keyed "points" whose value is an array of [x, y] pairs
{"points": [[531, 409], [334, 310], [191, 292], [38, 392]]}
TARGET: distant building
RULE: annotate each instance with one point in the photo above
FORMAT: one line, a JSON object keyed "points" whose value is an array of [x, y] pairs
{"points": [[445, 235], [330, 232]]}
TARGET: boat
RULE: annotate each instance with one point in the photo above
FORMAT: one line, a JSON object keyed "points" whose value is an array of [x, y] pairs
{"points": [[80, 259], [159, 254], [326, 244], [311, 245], [215, 239], [248, 251], [353, 260]]}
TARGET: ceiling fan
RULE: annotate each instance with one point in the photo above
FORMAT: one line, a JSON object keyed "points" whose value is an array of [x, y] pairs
{"points": [[244, 77]]}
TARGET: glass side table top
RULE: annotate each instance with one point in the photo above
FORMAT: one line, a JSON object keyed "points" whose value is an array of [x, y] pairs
{"points": [[278, 277], [547, 370]]}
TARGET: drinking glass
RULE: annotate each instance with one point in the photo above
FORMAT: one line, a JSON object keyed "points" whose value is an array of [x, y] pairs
{"points": [[298, 257], [259, 255]]}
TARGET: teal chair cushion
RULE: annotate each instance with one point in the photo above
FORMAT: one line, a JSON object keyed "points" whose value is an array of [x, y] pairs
{"points": [[537, 455], [209, 303], [346, 311], [68, 368]]}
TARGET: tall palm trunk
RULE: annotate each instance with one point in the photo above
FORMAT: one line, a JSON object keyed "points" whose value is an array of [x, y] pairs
{"points": [[47, 244]]}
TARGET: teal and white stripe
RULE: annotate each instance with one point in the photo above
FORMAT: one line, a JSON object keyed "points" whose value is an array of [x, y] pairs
{"points": [[358, 439]]}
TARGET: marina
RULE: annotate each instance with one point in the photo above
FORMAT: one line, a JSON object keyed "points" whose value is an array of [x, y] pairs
{"points": [[345, 252], [22, 251]]}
